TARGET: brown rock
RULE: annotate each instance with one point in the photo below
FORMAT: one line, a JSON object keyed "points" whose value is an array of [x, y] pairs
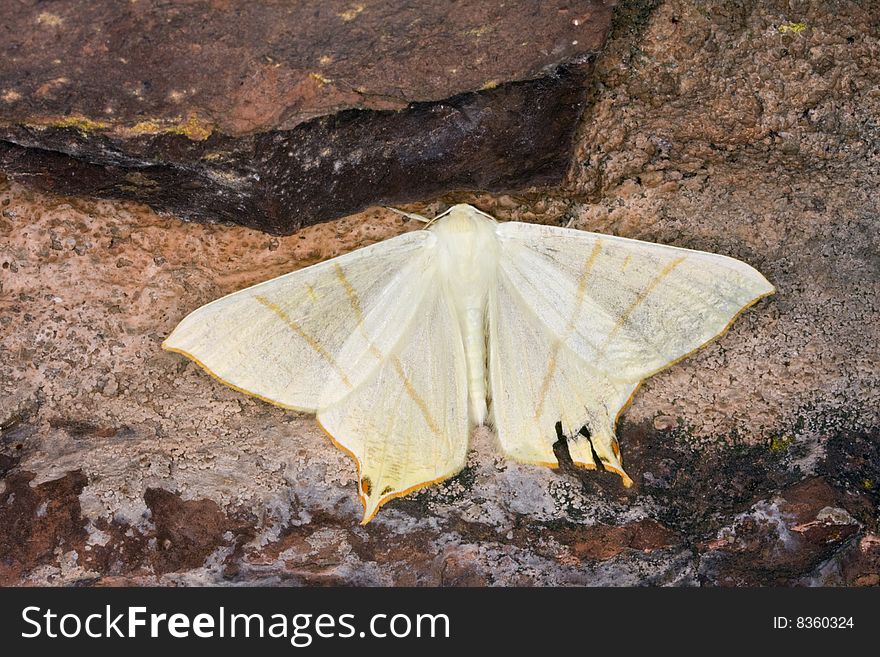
{"points": [[861, 566], [803, 502], [602, 542], [215, 118], [508, 138], [459, 568], [779, 540], [37, 521], [187, 531], [122, 553], [148, 67]]}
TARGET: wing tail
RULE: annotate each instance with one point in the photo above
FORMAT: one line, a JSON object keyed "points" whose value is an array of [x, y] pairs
{"points": [[537, 382], [578, 320], [406, 426]]}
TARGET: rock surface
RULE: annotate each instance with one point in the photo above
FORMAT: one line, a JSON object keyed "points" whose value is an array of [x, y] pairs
{"points": [[510, 137], [243, 68], [748, 129], [279, 115]]}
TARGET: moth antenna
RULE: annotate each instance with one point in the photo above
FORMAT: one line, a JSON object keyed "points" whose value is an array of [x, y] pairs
{"points": [[410, 215], [439, 216], [485, 214]]}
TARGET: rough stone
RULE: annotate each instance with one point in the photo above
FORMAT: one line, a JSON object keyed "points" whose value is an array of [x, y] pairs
{"points": [[187, 531], [278, 116], [777, 541], [767, 472], [255, 67], [40, 523], [507, 138]]}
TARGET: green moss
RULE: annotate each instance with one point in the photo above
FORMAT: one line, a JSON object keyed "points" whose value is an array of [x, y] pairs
{"points": [[351, 14], [320, 79], [145, 128], [140, 180], [193, 128], [478, 31]]}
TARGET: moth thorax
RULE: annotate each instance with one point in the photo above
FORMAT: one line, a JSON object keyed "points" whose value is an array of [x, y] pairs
{"points": [[461, 219], [468, 250]]}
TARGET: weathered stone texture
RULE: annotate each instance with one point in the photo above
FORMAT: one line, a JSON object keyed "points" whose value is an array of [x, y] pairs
{"points": [[748, 129], [281, 115], [249, 67], [511, 137]]}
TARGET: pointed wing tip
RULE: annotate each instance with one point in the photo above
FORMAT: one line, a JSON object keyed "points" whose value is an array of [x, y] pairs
{"points": [[625, 479], [763, 287], [768, 287], [766, 290], [627, 482], [373, 504], [170, 346], [169, 343]]}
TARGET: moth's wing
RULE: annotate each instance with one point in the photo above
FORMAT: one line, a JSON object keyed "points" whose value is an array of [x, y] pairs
{"points": [[535, 381], [602, 313], [628, 308], [308, 334], [407, 424]]}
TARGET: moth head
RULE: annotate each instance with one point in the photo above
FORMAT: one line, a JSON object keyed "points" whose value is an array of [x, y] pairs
{"points": [[462, 218]]}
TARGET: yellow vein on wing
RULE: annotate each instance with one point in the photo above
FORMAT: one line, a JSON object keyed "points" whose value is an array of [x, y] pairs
{"points": [[316, 346], [569, 327]]}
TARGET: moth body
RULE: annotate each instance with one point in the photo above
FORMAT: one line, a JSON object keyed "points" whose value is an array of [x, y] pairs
{"points": [[467, 264]]}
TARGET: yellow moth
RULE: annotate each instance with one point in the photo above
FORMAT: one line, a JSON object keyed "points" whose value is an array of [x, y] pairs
{"points": [[402, 347]]}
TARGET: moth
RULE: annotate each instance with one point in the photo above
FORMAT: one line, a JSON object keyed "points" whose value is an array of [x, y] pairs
{"points": [[402, 347]]}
